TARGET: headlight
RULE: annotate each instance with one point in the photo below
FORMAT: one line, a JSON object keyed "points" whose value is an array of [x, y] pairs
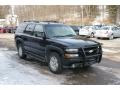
{"points": [[71, 55], [72, 50]]}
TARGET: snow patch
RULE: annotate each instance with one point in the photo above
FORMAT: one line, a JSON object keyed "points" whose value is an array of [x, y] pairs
{"points": [[110, 70], [3, 49], [110, 51]]}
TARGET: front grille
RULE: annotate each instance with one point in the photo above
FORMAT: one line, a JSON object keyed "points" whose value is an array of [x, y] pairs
{"points": [[89, 51], [89, 56]]}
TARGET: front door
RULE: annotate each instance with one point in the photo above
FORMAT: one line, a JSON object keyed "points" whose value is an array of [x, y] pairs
{"points": [[39, 42]]}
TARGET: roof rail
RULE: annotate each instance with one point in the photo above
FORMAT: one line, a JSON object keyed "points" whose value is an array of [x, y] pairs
{"points": [[49, 21], [32, 21]]}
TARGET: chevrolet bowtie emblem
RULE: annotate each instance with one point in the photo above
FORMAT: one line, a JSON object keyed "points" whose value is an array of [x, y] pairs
{"points": [[90, 51]]}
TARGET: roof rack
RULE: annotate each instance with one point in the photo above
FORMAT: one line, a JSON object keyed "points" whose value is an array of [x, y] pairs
{"points": [[32, 21], [49, 21]]}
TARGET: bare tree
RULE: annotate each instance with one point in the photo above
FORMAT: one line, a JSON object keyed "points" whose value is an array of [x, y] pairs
{"points": [[4, 10]]}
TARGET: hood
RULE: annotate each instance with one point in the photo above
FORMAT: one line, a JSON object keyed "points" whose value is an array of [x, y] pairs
{"points": [[76, 42]]}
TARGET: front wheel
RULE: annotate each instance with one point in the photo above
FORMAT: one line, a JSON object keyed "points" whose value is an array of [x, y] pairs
{"points": [[55, 64], [98, 37], [92, 35]]}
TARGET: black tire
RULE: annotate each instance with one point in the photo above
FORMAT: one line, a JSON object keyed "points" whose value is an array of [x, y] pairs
{"points": [[92, 35], [98, 37], [21, 53], [111, 37], [58, 68]]}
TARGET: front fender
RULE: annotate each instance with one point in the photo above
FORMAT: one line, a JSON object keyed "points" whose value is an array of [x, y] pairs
{"points": [[51, 48]]}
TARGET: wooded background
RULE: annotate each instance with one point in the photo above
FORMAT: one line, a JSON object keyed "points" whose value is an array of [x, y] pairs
{"points": [[66, 13]]}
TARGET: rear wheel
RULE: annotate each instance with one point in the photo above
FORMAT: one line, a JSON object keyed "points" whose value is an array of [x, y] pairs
{"points": [[111, 37], [55, 64], [98, 37], [21, 53]]}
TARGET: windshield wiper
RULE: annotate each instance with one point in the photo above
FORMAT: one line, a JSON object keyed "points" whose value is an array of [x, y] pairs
{"points": [[58, 36], [70, 35]]}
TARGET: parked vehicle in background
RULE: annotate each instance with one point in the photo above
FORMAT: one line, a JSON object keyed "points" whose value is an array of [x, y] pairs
{"points": [[57, 45], [3, 30], [107, 31], [87, 31], [10, 29], [76, 29], [14, 29]]}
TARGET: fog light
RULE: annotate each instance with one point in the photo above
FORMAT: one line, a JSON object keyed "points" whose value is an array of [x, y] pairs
{"points": [[73, 66]]}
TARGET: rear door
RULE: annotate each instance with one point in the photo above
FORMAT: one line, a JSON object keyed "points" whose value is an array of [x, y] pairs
{"points": [[28, 38]]}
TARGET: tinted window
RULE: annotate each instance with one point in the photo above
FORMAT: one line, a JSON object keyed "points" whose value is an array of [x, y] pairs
{"points": [[87, 27], [38, 31], [114, 28], [103, 28], [29, 28], [21, 28], [74, 28], [118, 28]]}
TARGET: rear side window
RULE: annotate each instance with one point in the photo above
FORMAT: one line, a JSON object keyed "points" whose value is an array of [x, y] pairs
{"points": [[115, 28], [21, 28], [29, 29]]}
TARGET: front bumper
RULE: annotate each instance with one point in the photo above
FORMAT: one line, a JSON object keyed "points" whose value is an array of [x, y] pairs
{"points": [[84, 59]]}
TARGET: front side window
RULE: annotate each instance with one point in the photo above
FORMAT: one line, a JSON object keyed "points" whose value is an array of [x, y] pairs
{"points": [[59, 31], [38, 31]]}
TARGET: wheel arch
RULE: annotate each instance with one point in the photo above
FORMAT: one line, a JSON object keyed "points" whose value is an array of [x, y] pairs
{"points": [[51, 48], [18, 41]]}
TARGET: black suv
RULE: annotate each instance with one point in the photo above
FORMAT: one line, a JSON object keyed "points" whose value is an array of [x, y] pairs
{"points": [[56, 44]]}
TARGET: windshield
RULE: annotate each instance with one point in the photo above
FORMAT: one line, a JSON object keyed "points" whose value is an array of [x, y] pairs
{"points": [[103, 28], [59, 31], [116, 28], [106, 28], [87, 27]]}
